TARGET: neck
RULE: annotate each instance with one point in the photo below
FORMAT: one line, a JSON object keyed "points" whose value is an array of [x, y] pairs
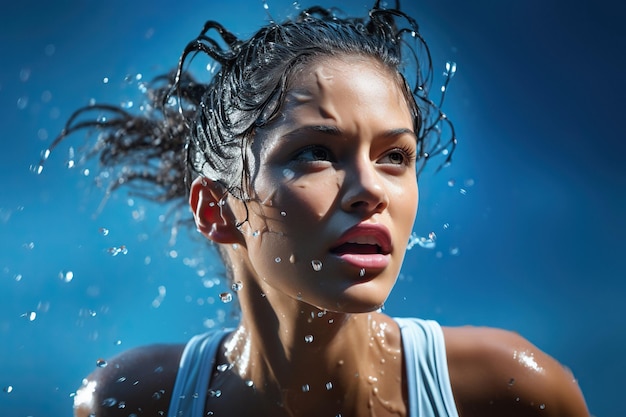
{"points": [[305, 359]]}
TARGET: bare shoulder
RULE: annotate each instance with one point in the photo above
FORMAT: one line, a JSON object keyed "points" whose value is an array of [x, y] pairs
{"points": [[138, 381], [495, 372]]}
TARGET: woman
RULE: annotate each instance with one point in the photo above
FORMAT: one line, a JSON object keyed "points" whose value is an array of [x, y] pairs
{"points": [[300, 161]]}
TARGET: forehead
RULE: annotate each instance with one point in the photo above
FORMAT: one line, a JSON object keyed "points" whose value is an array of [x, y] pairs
{"points": [[349, 69]]}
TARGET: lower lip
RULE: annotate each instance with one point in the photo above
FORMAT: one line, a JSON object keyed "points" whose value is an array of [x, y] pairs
{"points": [[363, 261]]}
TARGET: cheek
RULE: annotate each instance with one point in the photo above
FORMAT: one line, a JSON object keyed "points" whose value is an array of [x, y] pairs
{"points": [[307, 197]]}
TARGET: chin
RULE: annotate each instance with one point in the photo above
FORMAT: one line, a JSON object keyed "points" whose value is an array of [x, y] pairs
{"points": [[354, 302]]}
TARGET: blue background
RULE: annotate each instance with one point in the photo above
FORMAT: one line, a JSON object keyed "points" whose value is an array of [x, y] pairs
{"points": [[529, 219]]}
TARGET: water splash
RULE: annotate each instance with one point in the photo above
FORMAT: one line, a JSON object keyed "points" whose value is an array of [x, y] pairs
{"points": [[424, 242]]}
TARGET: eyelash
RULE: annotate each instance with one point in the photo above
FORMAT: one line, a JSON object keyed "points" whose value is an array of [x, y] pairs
{"points": [[407, 152], [298, 156]]}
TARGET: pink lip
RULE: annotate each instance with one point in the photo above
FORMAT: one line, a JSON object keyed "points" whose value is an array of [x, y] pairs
{"points": [[366, 259]]}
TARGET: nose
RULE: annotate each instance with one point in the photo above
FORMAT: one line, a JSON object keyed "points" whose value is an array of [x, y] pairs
{"points": [[364, 188]]}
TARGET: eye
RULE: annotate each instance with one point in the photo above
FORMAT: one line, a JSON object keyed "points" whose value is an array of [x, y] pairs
{"points": [[398, 156], [314, 153]]}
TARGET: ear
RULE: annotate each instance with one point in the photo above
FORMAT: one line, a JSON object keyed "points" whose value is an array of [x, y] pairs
{"points": [[214, 218]]}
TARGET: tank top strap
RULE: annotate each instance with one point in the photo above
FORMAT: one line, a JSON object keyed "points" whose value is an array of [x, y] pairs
{"points": [[428, 381], [194, 371]]}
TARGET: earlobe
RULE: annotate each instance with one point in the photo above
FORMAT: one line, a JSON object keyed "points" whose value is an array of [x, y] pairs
{"points": [[214, 219]]}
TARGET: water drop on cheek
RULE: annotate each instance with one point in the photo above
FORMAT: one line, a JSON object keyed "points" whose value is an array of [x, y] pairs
{"points": [[288, 174], [317, 265]]}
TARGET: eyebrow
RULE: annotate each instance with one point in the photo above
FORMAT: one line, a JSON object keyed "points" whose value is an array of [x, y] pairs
{"points": [[335, 131]]}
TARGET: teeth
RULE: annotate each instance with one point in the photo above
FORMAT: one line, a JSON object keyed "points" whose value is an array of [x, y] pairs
{"points": [[364, 240]]}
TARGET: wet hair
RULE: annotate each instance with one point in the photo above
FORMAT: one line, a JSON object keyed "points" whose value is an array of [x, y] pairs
{"points": [[188, 128]]}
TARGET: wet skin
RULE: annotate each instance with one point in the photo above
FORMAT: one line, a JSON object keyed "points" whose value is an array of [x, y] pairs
{"points": [[334, 184]]}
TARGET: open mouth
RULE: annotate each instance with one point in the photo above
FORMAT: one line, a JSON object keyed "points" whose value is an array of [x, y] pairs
{"points": [[364, 240], [358, 248]]}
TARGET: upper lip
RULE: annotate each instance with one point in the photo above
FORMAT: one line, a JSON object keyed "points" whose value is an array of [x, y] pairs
{"points": [[366, 233]]}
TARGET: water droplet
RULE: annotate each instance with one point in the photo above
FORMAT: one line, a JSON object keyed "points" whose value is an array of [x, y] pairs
{"points": [[446, 226], [306, 388], [317, 265], [292, 258], [49, 50], [121, 379], [451, 182], [362, 272], [114, 251], [103, 231], [8, 389], [30, 315], [37, 169], [454, 251], [66, 276], [22, 102], [329, 386], [255, 233], [282, 213], [237, 286], [450, 69], [299, 296], [101, 363], [121, 404], [117, 342], [463, 191], [277, 259], [105, 80], [308, 338], [226, 297], [249, 383], [511, 382], [109, 402], [542, 406], [288, 174], [222, 367], [215, 393]]}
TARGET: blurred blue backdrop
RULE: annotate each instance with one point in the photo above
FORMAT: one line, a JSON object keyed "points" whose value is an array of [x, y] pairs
{"points": [[529, 218]]}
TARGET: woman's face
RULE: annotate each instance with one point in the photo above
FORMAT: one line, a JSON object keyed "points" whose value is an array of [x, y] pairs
{"points": [[335, 188]]}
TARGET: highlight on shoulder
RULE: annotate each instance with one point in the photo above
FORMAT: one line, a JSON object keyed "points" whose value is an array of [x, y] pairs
{"points": [[496, 372]]}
